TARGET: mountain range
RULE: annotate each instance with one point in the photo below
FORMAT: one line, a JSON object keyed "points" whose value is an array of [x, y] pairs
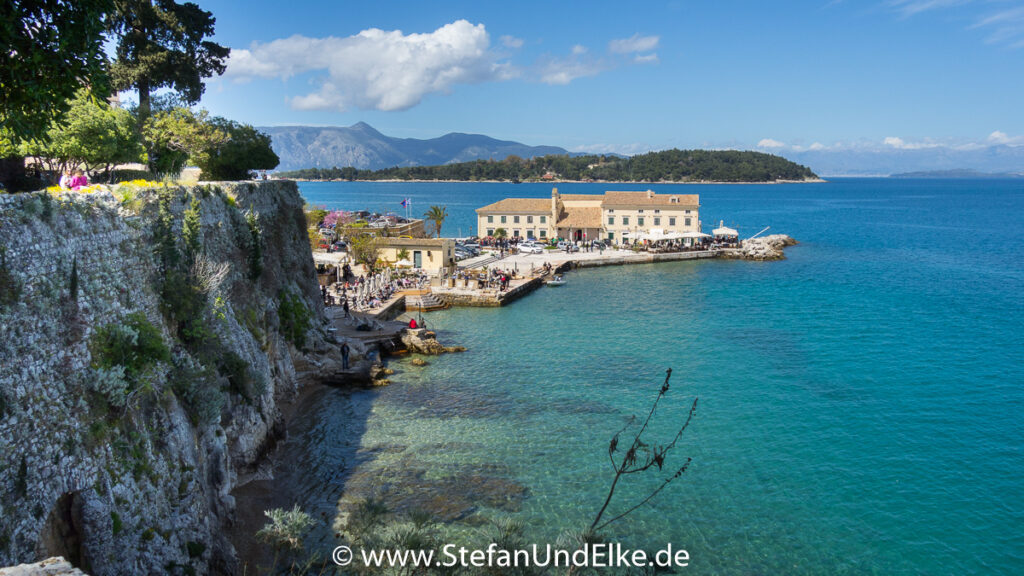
{"points": [[361, 146]]}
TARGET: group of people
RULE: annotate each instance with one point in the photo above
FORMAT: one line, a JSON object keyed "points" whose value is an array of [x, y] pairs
{"points": [[73, 180]]}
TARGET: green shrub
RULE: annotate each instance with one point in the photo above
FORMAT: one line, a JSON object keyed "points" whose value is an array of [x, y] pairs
{"points": [[184, 304], [116, 523], [134, 345], [195, 549], [295, 318], [198, 390], [236, 370], [255, 245], [126, 175]]}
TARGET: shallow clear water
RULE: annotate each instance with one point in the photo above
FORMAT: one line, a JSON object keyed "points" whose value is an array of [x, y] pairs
{"points": [[860, 405]]}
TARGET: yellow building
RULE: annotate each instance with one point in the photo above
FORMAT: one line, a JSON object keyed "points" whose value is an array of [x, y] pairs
{"points": [[615, 216], [433, 255]]}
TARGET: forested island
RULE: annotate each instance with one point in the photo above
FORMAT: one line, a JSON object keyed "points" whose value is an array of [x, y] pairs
{"points": [[665, 166]]}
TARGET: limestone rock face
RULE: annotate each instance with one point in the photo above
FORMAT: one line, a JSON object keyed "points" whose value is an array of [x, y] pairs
{"points": [[140, 487]]}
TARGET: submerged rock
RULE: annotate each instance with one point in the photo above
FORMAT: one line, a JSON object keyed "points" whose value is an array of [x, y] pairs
{"points": [[419, 362]]}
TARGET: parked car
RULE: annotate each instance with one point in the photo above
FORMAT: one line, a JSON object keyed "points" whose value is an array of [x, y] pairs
{"points": [[566, 245], [531, 248]]}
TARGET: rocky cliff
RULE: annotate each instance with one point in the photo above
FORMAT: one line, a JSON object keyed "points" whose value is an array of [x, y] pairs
{"points": [[148, 336]]}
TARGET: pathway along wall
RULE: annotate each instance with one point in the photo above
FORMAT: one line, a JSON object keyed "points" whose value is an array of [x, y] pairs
{"points": [[131, 405]]}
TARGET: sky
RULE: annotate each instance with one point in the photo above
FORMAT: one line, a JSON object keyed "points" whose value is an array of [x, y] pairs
{"points": [[632, 77]]}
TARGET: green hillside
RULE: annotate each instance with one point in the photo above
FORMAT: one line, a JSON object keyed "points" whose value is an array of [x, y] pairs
{"points": [[664, 166]]}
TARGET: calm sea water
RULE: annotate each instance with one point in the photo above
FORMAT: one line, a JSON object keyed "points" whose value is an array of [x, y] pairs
{"points": [[861, 403]]}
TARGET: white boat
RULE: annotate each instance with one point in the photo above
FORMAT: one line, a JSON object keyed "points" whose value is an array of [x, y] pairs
{"points": [[558, 280]]}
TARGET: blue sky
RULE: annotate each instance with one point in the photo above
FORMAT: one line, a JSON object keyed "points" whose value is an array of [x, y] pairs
{"points": [[637, 76]]}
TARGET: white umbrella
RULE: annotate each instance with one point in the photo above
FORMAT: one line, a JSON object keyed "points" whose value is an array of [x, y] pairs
{"points": [[724, 231], [694, 235], [404, 263]]}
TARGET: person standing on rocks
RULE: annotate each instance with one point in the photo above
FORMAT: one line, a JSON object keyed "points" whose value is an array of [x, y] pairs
{"points": [[344, 353]]}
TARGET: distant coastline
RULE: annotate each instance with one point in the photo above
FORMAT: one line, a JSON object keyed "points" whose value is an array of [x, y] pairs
{"points": [[397, 180]]}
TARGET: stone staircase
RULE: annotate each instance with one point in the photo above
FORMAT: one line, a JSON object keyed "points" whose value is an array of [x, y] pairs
{"points": [[423, 301], [479, 261]]}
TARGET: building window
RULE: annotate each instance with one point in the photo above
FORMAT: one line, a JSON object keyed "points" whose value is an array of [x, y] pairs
{"points": [[657, 221], [687, 222], [515, 233], [503, 219], [674, 200], [543, 219], [657, 211], [529, 219], [515, 219], [687, 211], [640, 211], [671, 220], [529, 234], [490, 231], [611, 220], [490, 219], [640, 221], [611, 235], [543, 233], [625, 220]]}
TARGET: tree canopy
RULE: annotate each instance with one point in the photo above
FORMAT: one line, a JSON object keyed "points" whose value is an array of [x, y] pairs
{"points": [[173, 137], [665, 166], [245, 149], [50, 49], [162, 44], [92, 134]]}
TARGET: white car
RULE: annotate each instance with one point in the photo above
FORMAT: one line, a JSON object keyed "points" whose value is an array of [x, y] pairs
{"points": [[530, 248]]}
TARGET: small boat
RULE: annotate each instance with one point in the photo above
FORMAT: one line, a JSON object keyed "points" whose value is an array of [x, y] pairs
{"points": [[558, 280]]}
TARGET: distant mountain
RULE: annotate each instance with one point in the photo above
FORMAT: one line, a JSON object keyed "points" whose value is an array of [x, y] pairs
{"points": [[960, 173], [361, 146], [883, 161]]}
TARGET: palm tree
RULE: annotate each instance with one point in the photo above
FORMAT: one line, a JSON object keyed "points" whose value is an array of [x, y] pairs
{"points": [[436, 214]]}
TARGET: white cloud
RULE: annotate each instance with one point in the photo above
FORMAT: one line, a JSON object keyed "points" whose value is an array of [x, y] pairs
{"points": [[376, 69], [1004, 27], [562, 71], [816, 146], [511, 41], [579, 49], [646, 58], [900, 144], [769, 143], [635, 43], [1002, 138], [911, 7], [998, 137]]}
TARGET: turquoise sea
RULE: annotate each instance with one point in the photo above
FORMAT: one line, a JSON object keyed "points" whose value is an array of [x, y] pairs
{"points": [[861, 403]]}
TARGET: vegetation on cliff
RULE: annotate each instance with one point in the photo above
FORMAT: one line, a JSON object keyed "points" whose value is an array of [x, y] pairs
{"points": [[665, 166]]}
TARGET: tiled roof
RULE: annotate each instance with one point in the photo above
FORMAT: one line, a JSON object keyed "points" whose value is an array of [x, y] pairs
{"points": [[385, 242], [581, 218], [510, 205], [648, 198]]}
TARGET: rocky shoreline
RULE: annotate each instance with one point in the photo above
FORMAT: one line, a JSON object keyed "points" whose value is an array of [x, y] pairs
{"points": [[764, 248]]}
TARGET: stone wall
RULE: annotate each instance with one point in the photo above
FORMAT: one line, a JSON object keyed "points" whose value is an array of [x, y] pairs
{"points": [[144, 487]]}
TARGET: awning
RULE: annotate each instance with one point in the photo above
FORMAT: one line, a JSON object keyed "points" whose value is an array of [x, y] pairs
{"points": [[723, 231], [694, 235]]}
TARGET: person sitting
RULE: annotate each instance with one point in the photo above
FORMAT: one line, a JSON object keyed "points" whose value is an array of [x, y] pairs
{"points": [[412, 324], [79, 180]]}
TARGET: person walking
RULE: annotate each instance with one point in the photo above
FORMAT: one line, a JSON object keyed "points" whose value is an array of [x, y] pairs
{"points": [[344, 355], [344, 305]]}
